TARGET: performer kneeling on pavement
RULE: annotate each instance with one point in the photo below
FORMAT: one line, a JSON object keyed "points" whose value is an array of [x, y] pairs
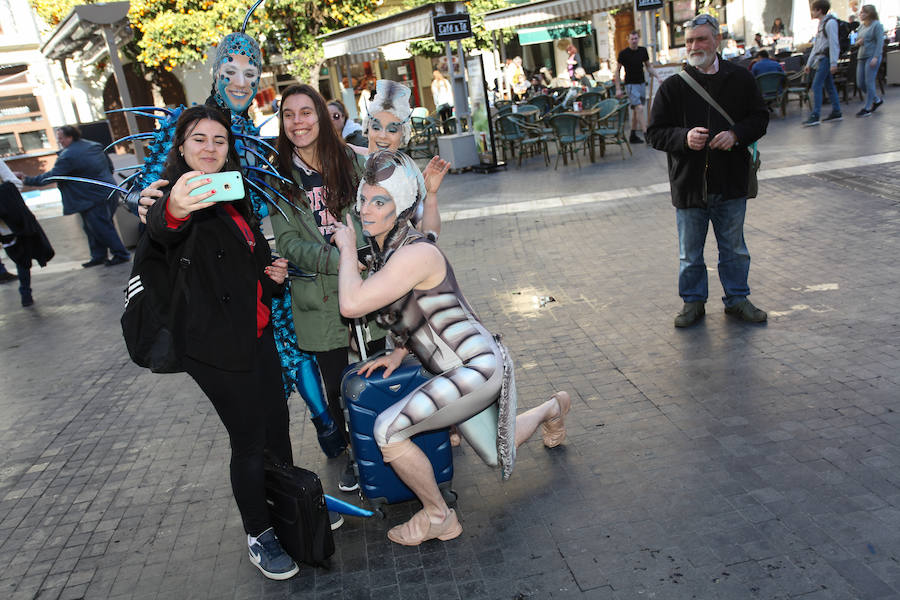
{"points": [[415, 293], [224, 331]]}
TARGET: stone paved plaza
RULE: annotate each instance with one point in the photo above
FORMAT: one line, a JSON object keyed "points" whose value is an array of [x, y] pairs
{"points": [[727, 460]]}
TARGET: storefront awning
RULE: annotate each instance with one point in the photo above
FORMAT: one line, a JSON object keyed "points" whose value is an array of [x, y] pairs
{"points": [[553, 31], [80, 34], [407, 25], [545, 11]]}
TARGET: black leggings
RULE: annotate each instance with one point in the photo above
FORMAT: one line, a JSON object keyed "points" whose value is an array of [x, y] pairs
{"points": [[332, 364], [254, 411]]}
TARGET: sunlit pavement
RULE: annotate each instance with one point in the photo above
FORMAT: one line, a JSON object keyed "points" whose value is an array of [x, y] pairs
{"points": [[727, 460]]}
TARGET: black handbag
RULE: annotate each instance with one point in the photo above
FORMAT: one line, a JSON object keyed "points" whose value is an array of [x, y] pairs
{"points": [[298, 513]]}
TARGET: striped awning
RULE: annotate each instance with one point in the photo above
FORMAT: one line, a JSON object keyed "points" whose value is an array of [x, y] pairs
{"points": [[545, 11], [407, 25]]}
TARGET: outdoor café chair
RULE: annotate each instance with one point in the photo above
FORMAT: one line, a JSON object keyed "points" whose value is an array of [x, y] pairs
{"points": [[797, 86], [589, 99], [542, 102], [613, 131], [569, 137], [773, 85], [520, 138], [423, 142], [606, 109]]}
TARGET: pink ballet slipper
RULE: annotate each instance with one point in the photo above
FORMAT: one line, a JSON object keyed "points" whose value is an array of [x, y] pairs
{"points": [[553, 430]]}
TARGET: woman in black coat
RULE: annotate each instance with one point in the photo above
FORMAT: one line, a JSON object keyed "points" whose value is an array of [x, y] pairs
{"points": [[223, 328]]}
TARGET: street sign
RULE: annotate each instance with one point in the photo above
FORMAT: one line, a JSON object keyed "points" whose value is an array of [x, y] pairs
{"points": [[649, 4], [451, 27]]}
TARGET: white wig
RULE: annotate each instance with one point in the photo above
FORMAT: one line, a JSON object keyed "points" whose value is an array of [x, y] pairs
{"points": [[392, 97], [398, 174]]}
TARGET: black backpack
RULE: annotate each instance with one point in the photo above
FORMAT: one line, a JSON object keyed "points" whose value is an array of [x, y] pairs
{"points": [[843, 28], [148, 323]]}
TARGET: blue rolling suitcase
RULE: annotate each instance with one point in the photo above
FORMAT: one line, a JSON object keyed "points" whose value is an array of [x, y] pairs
{"points": [[364, 398]]}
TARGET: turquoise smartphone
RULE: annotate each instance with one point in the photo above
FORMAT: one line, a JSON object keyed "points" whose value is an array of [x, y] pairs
{"points": [[229, 185]]}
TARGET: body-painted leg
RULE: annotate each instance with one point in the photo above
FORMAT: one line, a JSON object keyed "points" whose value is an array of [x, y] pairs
{"points": [[299, 369]]}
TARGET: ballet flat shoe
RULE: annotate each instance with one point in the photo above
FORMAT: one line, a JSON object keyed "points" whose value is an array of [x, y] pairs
{"points": [[554, 430], [420, 529]]}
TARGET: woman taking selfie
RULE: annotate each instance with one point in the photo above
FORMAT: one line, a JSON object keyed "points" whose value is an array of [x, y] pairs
{"points": [[223, 330], [416, 295], [325, 171]]}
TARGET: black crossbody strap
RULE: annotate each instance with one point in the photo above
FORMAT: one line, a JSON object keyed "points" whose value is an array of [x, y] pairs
{"points": [[705, 95]]}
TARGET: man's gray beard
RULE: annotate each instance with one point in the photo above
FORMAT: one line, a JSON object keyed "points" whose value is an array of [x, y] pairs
{"points": [[699, 62]]}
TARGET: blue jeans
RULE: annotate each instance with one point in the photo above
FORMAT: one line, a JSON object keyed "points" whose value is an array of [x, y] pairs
{"points": [[865, 79], [823, 81], [727, 217], [101, 233]]}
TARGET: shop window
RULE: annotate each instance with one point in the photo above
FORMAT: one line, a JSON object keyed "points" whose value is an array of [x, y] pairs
{"points": [[682, 11], [8, 144], [18, 105], [34, 140]]}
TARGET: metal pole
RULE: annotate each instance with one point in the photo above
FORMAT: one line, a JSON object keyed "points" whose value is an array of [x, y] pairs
{"points": [[65, 70], [122, 85], [462, 77]]}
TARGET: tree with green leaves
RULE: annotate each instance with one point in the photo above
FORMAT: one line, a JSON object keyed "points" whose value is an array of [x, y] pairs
{"points": [[169, 33]]}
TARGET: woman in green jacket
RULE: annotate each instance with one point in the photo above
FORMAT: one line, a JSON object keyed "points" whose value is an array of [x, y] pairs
{"points": [[326, 173]]}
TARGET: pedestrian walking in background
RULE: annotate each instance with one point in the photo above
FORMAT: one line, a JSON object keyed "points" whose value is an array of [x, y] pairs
{"points": [[442, 94], [823, 59], [83, 158], [870, 40], [709, 168], [22, 237], [7, 175], [634, 59]]}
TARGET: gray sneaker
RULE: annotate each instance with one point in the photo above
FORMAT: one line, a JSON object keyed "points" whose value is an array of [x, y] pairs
{"points": [[835, 116], [745, 311], [690, 314]]}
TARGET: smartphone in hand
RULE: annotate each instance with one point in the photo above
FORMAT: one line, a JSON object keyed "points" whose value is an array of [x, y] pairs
{"points": [[229, 185]]}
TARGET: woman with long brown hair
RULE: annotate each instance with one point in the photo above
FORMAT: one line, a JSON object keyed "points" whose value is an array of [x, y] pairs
{"points": [[326, 172]]}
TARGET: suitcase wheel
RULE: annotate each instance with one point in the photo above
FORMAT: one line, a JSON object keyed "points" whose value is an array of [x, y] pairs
{"points": [[449, 495]]}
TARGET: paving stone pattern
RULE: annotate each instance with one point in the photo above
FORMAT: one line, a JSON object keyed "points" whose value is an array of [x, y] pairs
{"points": [[727, 460]]}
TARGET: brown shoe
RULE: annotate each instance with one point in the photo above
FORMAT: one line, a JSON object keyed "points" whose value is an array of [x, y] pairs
{"points": [[420, 529], [553, 430]]}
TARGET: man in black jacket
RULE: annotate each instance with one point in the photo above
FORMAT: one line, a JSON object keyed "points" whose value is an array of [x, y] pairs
{"points": [[709, 168], [83, 158]]}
